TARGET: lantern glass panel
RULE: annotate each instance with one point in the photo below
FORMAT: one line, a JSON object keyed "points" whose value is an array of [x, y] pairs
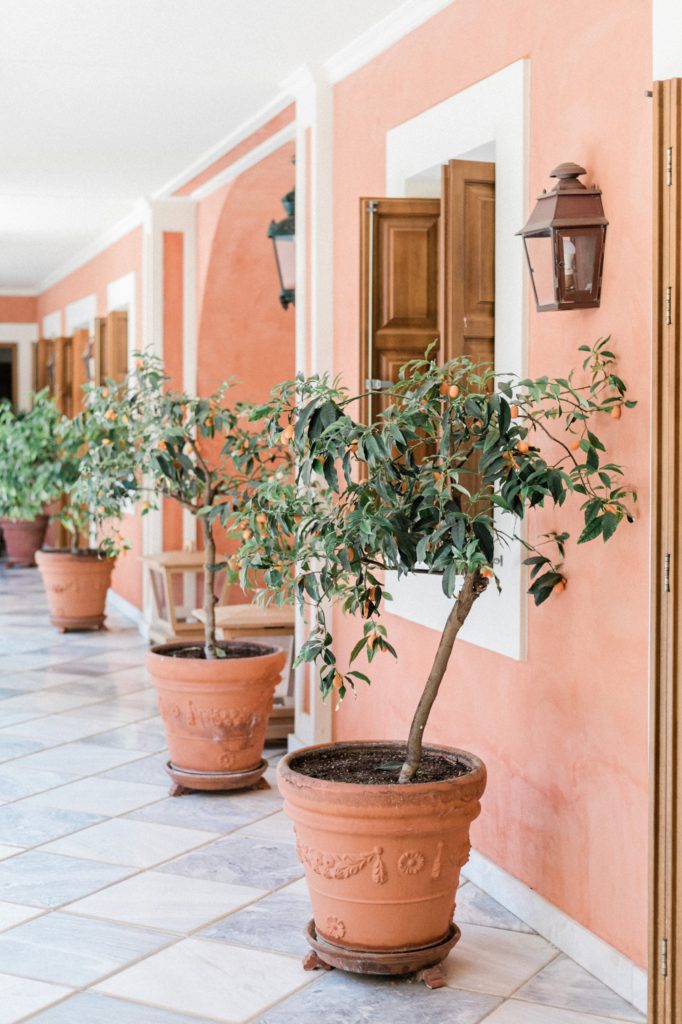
{"points": [[539, 251], [578, 263], [285, 249]]}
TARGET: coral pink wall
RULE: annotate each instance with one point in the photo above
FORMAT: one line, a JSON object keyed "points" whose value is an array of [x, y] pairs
{"points": [[564, 733], [18, 309], [121, 258]]}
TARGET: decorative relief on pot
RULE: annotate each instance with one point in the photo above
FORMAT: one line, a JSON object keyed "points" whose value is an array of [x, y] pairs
{"points": [[411, 862], [435, 870], [240, 723], [342, 866], [334, 927], [62, 588]]}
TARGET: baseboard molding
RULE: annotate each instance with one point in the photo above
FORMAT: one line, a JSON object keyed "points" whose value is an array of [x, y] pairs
{"points": [[587, 949], [129, 610]]}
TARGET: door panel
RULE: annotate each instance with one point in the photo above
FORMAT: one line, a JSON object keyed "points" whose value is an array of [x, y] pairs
{"points": [[399, 276], [114, 350], [80, 348]]}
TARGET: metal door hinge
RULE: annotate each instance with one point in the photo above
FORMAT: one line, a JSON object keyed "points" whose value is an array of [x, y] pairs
{"points": [[669, 165], [376, 384], [668, 305], [666, 574], [373, 204], [664, 958]]}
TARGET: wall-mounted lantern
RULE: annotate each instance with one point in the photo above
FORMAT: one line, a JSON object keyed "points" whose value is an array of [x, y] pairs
{"points": [[283, 235], [564, 242]]}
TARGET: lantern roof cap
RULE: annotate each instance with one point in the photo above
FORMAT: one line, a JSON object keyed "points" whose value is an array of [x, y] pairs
{"points": [[568, 175]]}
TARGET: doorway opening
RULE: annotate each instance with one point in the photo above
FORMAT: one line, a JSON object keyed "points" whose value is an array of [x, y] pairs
{"points": [[9, 387]]}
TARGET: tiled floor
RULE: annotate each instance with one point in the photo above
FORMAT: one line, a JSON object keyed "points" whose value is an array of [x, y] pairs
{"points": [[119, 905]]}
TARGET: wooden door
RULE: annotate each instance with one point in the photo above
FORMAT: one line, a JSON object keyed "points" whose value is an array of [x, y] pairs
{"points": [[468, 259], [399, 279], [665, 932], [43, 378], [61, 374], [80, 356], [114, 346]]}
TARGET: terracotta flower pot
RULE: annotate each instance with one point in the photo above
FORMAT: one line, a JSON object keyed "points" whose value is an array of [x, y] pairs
{"points": [[76, 587], [23, 538], [382, 862], [216, 712]]}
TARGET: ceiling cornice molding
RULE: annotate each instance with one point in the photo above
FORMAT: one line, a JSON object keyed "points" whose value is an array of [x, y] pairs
{"points": [[381, 36], [275, 106], [113, 234], [18, 293], [254, 156]]}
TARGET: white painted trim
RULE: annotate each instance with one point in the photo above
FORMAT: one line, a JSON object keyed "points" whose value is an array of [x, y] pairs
{"points": [[381, 36], [667, 39], [81, 313], [587, 949], [495, 110], [52, 324], [24, 335], [254, 156], [122, 606], [18, 293], [266, 113], [113, 234]]}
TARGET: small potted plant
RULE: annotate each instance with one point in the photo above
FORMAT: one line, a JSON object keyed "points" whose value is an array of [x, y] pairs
{"points": [[215, 697], [29, 475], [77, 578], [437, 484]]}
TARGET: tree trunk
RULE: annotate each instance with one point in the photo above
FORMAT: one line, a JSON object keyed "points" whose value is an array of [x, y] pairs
{"points": [[209, 589], [473, 586]]}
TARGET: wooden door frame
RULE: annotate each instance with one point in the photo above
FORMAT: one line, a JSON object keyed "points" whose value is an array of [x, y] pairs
{"points": [[13, 346], [665, 902]]}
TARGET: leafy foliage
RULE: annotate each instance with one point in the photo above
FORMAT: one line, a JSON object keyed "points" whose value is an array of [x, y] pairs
{"points": [[29, 466], [148, 442], [437, 484]]}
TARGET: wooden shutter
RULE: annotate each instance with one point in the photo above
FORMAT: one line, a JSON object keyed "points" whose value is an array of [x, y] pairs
{"points": [[399, 279], [80, 354], [43, 357], [114, 346], [468, 257], [665, 932], [61, 374]]}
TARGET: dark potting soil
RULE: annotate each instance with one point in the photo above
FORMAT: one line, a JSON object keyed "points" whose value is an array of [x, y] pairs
{"points": [[375, 766], [231, 649]]}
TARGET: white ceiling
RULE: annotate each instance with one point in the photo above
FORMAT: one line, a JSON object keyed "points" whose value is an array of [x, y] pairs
{"points": [[104, 101]]}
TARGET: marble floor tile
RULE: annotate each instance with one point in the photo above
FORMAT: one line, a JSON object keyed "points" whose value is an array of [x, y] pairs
{"points": [[275, 923], [18, 746], [93, 1008], [151, 769], [514, 1011], [147, 736], [21, 996], [31, 826], [226, 983], [5, 693], [40, 879], [163, 901], [104, 797], [105, 687], [136, 843], [113, 713], [476, 907], [242, 861], [216, 812], [74, 951], [56, 729], [12, 914], [494, 961], [45, 702], [563, 983], [18, 780], [7, 850], [274, 826], [77, 759], [338, 998]]}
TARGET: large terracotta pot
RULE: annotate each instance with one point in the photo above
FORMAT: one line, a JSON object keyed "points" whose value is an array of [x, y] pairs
{"points": [[216, 711], [76, 587], [23, 538], [382, 862]]}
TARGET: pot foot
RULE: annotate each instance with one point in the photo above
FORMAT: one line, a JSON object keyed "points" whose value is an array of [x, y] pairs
{"points": [[186, 781], [312, 962], [434, 977]]}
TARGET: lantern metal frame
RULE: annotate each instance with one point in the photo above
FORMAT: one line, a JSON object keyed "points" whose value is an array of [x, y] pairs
{"points": [[283, 229], [570, 209]]}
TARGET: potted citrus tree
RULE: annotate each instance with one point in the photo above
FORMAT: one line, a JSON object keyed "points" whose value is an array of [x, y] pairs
{"points": [[439, 483], [214, 697], [77, 577], [29, 475]]}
